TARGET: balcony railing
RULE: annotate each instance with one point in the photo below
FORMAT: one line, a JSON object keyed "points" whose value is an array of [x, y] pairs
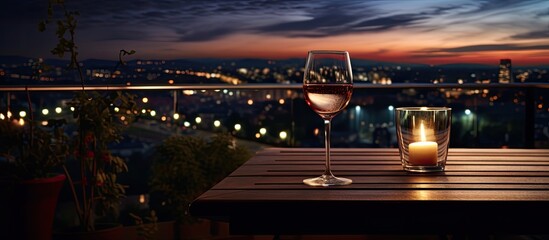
{"points": [[484, 115]]}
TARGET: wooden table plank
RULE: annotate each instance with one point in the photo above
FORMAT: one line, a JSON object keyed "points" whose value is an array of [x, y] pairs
{"points": [[451, 160], [405, 195], [394, 151], [261, 171], [346, 170], [390, 182]]}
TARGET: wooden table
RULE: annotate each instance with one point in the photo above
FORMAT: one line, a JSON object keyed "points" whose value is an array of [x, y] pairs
{"points": [[482, 191]]}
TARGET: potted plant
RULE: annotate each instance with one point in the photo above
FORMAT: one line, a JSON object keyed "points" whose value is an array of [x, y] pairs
{"points": [[92, 169], [185, 167], [31, 175], [100, 118]]}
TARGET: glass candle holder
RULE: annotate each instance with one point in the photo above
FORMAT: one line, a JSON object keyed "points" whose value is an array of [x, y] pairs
{"points": [[423, 135]]}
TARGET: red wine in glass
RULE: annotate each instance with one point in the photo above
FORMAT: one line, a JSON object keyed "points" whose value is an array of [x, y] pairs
{"points": [[327, 99]]}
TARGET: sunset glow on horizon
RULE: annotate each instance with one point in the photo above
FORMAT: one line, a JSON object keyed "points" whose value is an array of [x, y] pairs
{"points": [[429, 32]]}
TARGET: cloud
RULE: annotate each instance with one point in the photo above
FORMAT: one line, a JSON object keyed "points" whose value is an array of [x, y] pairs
{"points": [[543, 14], [490, 47], [543, 34], [318, 26], [435, 55], [497, 6], [210, 20], [385, 23], [124, 34], [191, 21], [197, 35], [323, 21], [339, 20]]}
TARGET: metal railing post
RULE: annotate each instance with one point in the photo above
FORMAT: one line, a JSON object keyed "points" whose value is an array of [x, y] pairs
{"points": [[529, 118]]}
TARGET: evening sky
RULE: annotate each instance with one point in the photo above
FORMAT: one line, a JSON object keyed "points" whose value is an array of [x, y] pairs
{"points": [[433, 32]]}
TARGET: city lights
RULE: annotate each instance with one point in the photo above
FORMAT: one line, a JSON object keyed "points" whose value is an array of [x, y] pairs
{"points": [[2, 117], [260, 113], [283, 135]]}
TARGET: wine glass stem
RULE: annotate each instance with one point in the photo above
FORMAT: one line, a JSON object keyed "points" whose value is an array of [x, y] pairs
{"points": [[327, 131]]}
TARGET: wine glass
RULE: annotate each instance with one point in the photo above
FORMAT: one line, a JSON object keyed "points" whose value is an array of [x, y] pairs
{"points": [[327, 86]]}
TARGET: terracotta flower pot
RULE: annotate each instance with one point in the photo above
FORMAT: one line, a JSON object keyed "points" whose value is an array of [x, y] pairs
{"points": [[197, 230], [33, 207], [102, 231]]}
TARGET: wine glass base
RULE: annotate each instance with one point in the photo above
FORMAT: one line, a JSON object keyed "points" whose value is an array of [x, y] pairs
{"points": [[327, 180]]}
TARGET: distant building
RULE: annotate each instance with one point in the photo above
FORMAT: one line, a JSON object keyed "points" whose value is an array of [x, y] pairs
{"points": [[505, 71]]}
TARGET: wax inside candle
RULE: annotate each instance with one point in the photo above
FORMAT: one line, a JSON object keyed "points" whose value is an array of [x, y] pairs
{"points": [[424, 152]]}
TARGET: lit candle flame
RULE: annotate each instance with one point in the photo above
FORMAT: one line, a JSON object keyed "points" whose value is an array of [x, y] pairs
{"points": [[422, 132]]}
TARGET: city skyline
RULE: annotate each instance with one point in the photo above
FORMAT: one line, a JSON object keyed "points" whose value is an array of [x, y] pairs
{"points": [[428, 32]]}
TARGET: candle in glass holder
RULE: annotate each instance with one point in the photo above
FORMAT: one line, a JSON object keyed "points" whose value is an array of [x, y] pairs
{"points": [[424, 152]]}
